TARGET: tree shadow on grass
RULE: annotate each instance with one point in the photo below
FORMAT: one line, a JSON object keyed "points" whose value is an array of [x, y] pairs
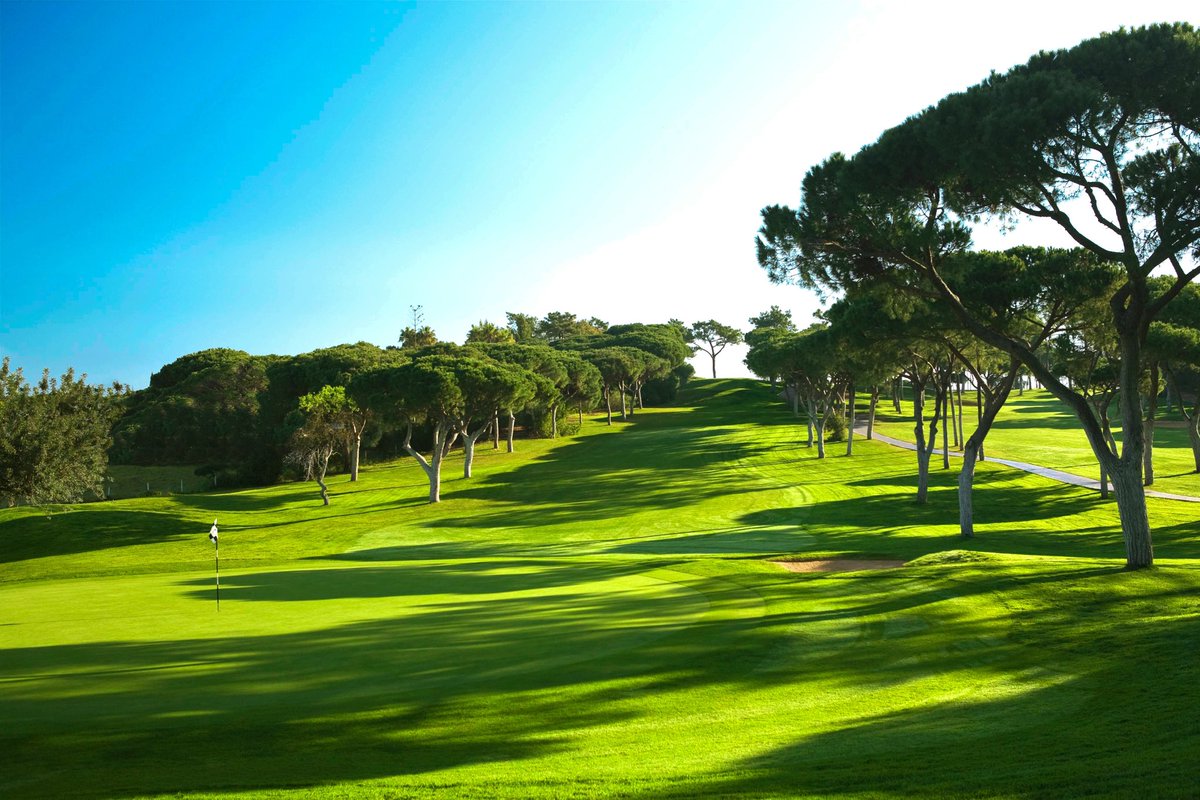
{"points": [[877, 522], [531, 670], [461, 577], [1023, 742], [36, 536], [445, 683], [647, 467]]}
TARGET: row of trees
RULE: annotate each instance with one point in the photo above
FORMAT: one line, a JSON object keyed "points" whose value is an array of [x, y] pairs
{"points": [[1103, 140], [873, 339], [248, 417]]}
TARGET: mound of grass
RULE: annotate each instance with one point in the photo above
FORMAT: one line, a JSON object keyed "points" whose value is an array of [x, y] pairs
{"points": [[594, 617], [951, 557]]}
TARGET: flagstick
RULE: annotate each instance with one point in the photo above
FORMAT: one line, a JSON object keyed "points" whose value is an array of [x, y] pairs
{"points": [[217, 556]]}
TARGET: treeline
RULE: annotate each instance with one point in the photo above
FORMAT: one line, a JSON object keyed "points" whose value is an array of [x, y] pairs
{"points": [[875, 341], [250, 419], [1101, 140]]}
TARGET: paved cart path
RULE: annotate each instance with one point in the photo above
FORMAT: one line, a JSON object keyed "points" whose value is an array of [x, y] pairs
{"points": [[1045, 472]]}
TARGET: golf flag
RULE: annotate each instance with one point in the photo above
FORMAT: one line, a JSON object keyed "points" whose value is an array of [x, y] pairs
{"points": [[212, 537]]}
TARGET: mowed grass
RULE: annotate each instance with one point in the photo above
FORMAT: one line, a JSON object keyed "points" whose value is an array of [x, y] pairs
{"points": [[600, 617], [1039, 429]]}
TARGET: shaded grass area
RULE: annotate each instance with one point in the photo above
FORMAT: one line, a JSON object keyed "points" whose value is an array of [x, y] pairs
{"points": [[595, 618], [1038, 429]]}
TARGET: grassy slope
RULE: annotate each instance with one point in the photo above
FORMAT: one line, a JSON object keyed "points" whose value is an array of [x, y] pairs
{"points": [[595, 618], [1038, 429]]}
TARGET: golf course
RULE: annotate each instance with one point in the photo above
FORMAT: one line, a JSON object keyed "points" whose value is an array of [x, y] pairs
{"points": [[609, 614]]}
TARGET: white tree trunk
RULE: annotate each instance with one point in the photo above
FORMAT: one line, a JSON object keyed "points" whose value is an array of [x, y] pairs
{"points": [[1148, 427], [871, 413], [850, 422]]}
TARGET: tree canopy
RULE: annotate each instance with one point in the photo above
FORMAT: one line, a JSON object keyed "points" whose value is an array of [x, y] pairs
{"points": [[1111, 124], [54, 437]]}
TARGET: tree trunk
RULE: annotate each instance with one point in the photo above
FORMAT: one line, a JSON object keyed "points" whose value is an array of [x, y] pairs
{"points": [[468, 455], [871, 412], [1148, 427], [896, 384], [608, 404], [1192, 419], [966, 481], [810, 430], [1131, 507], [925, 447], [973, 449], [624, 412], [581, 414], [714, 365], [1194, 434], [469, 439], [512, 422], [945, 404], [850, 426], [324, 490], [962, 435], [433, 467], [820, 426], [795, 401], [355, 450], [554, 422], [496, 431]]}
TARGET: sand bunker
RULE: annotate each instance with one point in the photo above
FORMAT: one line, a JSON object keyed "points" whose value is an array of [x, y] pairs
{"points": [[838, 565]]}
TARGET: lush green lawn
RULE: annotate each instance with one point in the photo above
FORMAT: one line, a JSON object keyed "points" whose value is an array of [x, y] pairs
{"points": [[1038, 429], [598, 617]]}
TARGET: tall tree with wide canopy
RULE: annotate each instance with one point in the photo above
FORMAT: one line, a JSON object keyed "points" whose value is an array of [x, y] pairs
{"points": [[204, 407], [546, 373], [713, 337], [1103, 140], [320, 421], [582, 386], [617, 367]]}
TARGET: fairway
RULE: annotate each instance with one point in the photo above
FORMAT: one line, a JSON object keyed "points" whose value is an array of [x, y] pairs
{"points": [[601, 616]]}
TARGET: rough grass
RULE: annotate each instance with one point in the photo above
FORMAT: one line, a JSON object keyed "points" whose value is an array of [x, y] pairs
{"points": [[596, 617]]}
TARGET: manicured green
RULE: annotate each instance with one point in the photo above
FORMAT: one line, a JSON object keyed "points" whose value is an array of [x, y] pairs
{"points": [[599, 617], [1036, 428]]}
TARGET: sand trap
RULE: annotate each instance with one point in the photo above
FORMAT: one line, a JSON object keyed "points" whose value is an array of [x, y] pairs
{"points": [[838, 565]]}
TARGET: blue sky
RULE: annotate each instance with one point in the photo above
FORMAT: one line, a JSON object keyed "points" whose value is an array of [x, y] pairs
{"points": [[277, 177]]}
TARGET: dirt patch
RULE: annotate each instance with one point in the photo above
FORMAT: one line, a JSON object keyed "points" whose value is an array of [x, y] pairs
{"points": [[838, 565]]}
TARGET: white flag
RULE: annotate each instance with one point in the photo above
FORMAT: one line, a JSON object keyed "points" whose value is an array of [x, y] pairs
{"points": [[212, 533]]}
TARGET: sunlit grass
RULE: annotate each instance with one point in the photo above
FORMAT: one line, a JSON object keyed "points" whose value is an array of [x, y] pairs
{"points": [[598, 617]]}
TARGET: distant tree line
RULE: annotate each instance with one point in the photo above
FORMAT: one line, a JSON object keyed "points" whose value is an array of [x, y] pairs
{"points": [[250, 419]]}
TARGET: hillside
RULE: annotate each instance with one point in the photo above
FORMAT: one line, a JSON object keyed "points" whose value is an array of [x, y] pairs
{"points": [[602, 616]]}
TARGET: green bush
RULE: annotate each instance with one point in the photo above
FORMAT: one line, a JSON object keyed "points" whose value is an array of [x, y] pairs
{"points": [[835, 429]]}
